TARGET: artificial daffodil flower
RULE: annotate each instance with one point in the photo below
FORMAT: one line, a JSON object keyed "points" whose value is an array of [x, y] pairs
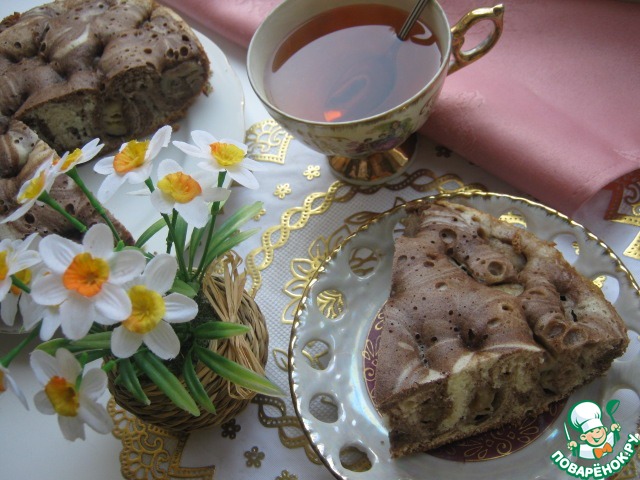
{"points": [[78, 156], [222, 155], [189, 195], [131, 164], [75, 403], [8, 383], [15, 256], [39, 183], [86, 280], [153, 311]]}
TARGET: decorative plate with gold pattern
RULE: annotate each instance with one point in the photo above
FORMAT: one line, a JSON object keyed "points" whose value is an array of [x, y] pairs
{"points": [[332, 397]]}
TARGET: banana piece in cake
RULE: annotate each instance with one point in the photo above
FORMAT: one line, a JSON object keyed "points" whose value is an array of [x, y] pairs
{"points": [[485, 324], [75, 70]]}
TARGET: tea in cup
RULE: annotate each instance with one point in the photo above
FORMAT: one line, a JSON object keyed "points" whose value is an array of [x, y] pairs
{"points": [[337, 77]]}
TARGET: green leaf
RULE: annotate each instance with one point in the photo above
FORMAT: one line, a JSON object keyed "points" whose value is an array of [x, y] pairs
{"points": [[128, 379], [150, 232], [237, 374], [180, 286], [166, 381], [217, 249], [214, 330], [93, 341], [196, 238], [180, 234], [195, 386], [52, 346], [233, 223]]}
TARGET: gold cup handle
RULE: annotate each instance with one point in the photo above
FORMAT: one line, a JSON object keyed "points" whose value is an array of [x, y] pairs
{"points": [[462, 58]]}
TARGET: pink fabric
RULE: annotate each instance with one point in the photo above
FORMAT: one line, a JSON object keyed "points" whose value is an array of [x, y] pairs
{"points": [[553, 109]]}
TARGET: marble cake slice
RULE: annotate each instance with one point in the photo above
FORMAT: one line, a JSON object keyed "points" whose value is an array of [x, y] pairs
{"points": [[485, 324]]}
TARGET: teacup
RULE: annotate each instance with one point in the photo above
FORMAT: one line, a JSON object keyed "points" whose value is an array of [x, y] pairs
{"points": [[376, 148]]}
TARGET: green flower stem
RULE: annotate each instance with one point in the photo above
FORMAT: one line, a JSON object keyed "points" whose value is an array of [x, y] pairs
{"points": [[171, 237], [20, 284], [215, 210], [46, 198], [95, 203], [8, 358]]}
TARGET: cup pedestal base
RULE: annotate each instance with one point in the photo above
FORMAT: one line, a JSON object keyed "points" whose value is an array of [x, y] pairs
{"points": [[377, 168]]}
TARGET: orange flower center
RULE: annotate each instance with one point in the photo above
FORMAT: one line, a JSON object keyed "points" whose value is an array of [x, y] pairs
{"points": [[180, 186], [147, 310], [34, 188], [2, 387], [25, 277], [226, 154], [131, 156], [4, 267], [63, 396], [86, 274]]}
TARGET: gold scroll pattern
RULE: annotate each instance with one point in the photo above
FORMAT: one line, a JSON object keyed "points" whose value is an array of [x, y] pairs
{"points": [[624, 207]]}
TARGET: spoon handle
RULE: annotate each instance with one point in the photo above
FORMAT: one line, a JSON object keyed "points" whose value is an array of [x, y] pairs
{"points": [[411, 19]]}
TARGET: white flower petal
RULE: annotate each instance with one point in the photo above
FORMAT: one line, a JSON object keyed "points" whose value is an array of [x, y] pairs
{"points": [[203, 140], [90, 150], [9, 309], [162, 202], [58, 252], [96, 417], [98, 241], [163, 341], [104, 166], [216, 194], [140, 174], [44, 366], [195, 213], [110, 186], [24, 260], [19, 212], [243, 177], [49, 290], [126, 265], [191, 150], [167, 167], [68, 366], [31, 311], [210, 166], [159, 140], [160, 273], [112, 302], [124, 343], [5, 286], [43, 404], [50, 323], [179, 308], [72, 427], [251, 164], [94, 383], [14, 388], [76, 317]]}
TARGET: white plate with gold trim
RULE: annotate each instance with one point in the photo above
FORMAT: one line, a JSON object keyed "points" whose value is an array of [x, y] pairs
{"points": [[328, 350]]}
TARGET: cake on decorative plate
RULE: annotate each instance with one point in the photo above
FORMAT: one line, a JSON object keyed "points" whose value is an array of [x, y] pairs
{"points": [[485, 324], [75, 70]]}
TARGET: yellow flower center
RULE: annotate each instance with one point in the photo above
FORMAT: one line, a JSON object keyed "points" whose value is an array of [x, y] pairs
{"points": [[86, 274], [131, 156], [34, 188], [71, 160], [63, 396], [25, 277], [180, 186], [147, 310], [226, 154], [4, 267]]}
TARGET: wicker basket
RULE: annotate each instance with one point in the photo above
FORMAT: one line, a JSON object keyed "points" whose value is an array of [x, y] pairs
{"points": [[225, 293]]}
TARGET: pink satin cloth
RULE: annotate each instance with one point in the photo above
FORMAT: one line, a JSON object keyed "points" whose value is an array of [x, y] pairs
{"points": [[553, 109]]}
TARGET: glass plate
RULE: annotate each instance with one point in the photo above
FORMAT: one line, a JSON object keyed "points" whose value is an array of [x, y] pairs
{"points": [[328, 351]]}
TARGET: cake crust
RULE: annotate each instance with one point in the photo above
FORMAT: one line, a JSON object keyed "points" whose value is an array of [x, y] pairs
{"points": [[485, 324]]}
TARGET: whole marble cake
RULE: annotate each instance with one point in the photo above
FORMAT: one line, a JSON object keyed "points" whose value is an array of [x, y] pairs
{"points": [[485, 324], [74, 70]]}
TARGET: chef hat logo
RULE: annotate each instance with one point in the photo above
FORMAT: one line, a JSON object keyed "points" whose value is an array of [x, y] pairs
{"points": [[586, 416]]}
